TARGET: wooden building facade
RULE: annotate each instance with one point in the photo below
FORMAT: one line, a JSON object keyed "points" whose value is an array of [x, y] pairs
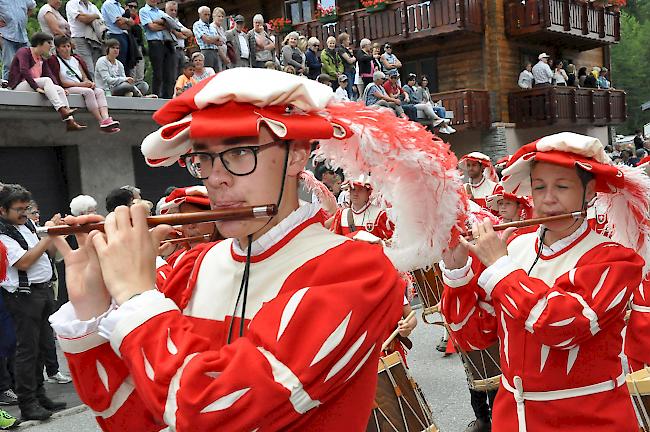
{"points": [[472, 52]]}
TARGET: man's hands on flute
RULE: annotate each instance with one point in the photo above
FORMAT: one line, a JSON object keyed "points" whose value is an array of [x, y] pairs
{"points": [[118, 264], [487, 245]]}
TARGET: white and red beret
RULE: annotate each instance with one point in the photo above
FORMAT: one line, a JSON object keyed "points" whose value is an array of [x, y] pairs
{"points": [[197, 195]]}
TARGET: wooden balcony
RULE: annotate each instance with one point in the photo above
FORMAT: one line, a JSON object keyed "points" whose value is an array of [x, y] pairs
{"points": [[569, 23], [567, 106], [471, 107], [402, 21]]}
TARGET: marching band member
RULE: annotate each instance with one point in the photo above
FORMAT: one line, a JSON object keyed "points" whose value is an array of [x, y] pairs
{"points": [[254, 332], [555, 298], [510, 207], [362, 213], [482, 177]]}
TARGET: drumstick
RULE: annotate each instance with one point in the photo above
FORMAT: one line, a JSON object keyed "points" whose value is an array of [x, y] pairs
{"points": [[535, 221], [220, 214], [396, 332]]}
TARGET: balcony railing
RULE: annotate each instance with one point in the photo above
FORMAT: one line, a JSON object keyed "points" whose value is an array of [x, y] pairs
{"points": [[567, 106], [402, 21], [471, 107], [584, 23]]}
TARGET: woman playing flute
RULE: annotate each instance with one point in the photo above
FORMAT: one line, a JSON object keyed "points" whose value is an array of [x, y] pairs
{"points": [[555, 298]]}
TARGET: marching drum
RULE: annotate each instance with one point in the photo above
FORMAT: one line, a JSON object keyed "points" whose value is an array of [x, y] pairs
{"points": [[483, 368], [638, 383], [428, 284], [399, 403]]}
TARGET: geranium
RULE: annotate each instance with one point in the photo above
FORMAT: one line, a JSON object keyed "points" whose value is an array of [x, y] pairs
{"points": [[277, 24], [325, 11], [373, 3]]}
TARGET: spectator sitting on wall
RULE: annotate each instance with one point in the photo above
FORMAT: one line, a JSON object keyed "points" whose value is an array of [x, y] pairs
{"points": [[51, 21], [572, 80], [271, 65], [349, 63], [118, 197], [86, 28], [70, 72], [324, 79], [13, 30], [83, 205], [341, 93], [416, 99], [389, 61], [331, 59], [592, 79], [186, 79], [110, 76], [638, 155], [364, 65], [526, 78], [626, 155], [291, 54], [289, 69], [559, 75], [603, 82], [29, 72], [391, 85], [375, 94], [312, 58], [262, 44], [201, 72], [542, 72], [582, 76]]}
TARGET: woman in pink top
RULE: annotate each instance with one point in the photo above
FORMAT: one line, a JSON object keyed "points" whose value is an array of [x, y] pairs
{"points": [[28, 72]]}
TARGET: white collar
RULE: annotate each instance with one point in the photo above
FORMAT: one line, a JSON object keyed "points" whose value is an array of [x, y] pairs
{"points": [[477, 185], [278, 232], [564, 242]]}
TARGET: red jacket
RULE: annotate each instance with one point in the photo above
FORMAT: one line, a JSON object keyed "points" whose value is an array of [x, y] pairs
{"points": [[21, 66], [55, 68]]}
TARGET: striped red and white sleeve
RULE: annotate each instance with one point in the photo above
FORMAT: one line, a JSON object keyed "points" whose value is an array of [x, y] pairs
{"points": [[637, 335]]}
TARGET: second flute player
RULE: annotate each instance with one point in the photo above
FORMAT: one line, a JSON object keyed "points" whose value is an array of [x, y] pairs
{"points": [[555, 298], [255, 332]]}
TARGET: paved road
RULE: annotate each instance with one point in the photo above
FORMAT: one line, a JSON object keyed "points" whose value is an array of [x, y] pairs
{"points": [[442, 380]]}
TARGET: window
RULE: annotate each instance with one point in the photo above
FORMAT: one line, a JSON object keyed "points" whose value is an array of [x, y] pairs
{"points": [[298, 10]]}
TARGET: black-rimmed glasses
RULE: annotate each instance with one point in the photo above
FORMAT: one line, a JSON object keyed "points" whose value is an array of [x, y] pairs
{"points": [[238, 161]]}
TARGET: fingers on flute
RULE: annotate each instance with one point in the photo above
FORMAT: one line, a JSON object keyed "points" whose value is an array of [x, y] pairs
{"points": [[81, 220], [139, 213], [97, 241], [508, 232], [159, 233]]}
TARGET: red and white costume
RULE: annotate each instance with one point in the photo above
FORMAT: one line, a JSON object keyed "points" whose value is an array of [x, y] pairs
{"points": [[525, 203], [560, 327], [370, 218], [489, 183], [308, 356]]}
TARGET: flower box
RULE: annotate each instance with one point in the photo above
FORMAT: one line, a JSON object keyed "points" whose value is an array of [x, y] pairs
{"points": [[328, 19], [376, 8]]}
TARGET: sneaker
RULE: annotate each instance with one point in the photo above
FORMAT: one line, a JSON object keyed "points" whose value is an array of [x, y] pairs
{"points": [[8, 397], [479, 426], [59, 378], [450, 129], [442, 345], [110, 131], [108, 122], [7, 421], [438, 122]]}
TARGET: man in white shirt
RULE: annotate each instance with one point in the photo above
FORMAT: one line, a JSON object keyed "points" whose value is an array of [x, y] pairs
{"points": [[81, 14], [28, 296], [240, 42], [542, 72]]}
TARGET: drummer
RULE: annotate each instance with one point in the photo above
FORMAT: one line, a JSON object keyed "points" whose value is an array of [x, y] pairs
{"points": [[482, 177], [555, 298], [256, 331], [362, 214]]}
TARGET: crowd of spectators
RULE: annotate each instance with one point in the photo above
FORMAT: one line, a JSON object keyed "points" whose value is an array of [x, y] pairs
{"points": [[547, 72], [98, 52]]}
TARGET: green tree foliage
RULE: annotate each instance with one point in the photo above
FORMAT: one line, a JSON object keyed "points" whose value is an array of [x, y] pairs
{"points": [[631, 62]]}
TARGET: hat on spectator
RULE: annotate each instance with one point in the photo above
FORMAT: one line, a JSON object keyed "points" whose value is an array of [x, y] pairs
{"points": [[392, 72], [239, 19], [342, 78], [483, 159], [324, 78], [387, 45], [623, 191], [543, 55], [378, 75], [353, 137], [197, 195]]}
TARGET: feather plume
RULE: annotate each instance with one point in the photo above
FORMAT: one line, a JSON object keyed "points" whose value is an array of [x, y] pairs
{"points": [[413, 173], [324, 195], [628, 212]]}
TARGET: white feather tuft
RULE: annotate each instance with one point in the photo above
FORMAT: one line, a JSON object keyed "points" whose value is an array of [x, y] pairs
{"points": [[411, 171], [313, 185], [628, 212]]}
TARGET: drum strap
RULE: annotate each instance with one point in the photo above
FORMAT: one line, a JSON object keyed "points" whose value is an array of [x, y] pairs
{"points": [[521, 396]]}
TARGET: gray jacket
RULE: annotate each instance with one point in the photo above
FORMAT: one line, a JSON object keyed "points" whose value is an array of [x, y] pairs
{"points": [[231, 36]]}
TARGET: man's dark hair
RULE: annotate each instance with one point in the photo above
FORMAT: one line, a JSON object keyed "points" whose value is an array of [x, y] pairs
{"points": [[118, 197], [61, 40], [11, 193], [39, 38]]}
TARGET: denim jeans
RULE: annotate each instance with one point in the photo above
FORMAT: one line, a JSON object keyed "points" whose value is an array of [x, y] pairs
{"points": [[9, 49]]}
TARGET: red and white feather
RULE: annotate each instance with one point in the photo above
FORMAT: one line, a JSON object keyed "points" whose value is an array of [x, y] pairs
{"points": [[411, 171], [318, 188], [628, 212]]}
